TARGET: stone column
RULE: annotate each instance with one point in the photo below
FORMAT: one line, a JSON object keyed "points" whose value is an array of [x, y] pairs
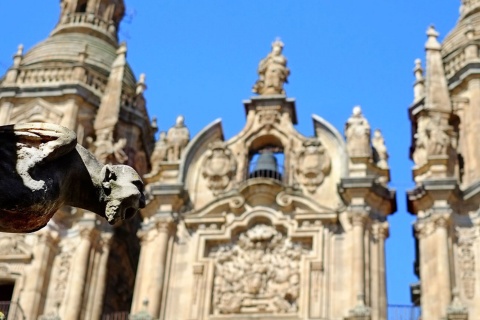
{"points": [[38, 274], [73, 302], [382, 283], [444, 294], [157, 267], [146, 237], [472, 125], [101, 280], [151, 269], [358, 253]]}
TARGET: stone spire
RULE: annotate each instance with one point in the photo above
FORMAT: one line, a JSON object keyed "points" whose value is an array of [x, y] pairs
{"points": [[109, 112], [437, 96]]}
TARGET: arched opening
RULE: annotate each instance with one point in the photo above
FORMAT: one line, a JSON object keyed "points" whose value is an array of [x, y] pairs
{"points": [[81, 6], [266, 159]]}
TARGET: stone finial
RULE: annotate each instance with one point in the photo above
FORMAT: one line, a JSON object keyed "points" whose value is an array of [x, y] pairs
{"points": [[17, 58], [357, 134], [272, 72], [141, 86], [432, 41], [419, 86], [418, 70]]}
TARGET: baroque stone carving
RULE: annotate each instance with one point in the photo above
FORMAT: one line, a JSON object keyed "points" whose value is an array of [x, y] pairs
{"points": [[219, 166], [466, 259], [431, 139], [357, 133], [159, 154], [178, 137], [43, 168], [272, 72], [380, 155], [109, 151], [313, 165], [13, 245], [259, 273]]}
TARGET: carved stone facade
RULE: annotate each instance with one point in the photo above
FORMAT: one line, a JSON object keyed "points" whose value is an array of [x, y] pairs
{"points": [[224, 235], [78, 78], [446, 197]]}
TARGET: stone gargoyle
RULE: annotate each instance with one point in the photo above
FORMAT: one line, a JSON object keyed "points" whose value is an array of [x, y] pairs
{"points": [[42, 168]]}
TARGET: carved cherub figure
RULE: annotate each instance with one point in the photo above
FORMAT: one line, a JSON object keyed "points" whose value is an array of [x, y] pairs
{"points": [[42, 168]]}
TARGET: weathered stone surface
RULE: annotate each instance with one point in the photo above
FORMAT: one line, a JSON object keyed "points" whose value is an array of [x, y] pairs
{"points": [[43, 168]]}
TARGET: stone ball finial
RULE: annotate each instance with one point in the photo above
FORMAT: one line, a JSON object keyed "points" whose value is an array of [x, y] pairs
{"points": [[20, 50], [432, 42], [180, 122], [357, 110]]}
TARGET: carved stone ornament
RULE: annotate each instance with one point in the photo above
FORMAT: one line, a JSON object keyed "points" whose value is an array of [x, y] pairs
{"points": [[13, 245], [313, 165], [466, 260], [259, 273], [219, 167], [178, 137], [42, 168]]}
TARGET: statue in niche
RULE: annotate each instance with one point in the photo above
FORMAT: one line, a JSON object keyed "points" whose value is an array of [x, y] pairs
{"points": [[313, 164], [272, 72], [380, 155], [43, 168], [109, 151], [431, 139], [438, 138], [159, 154], [259, 273], [357, 133], [178, 137], [219, 166]]}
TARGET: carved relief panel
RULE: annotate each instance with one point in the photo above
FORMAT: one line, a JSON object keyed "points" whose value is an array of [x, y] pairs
{"points": [[313, 165], [258, 273], [466, 261], [219, 167]]}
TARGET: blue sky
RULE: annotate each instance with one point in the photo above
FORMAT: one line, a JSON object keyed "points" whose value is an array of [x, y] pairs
{"points": [[200, 58]]}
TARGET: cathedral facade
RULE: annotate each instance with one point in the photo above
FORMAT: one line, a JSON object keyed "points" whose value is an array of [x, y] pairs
{"points": [[267, 224]]}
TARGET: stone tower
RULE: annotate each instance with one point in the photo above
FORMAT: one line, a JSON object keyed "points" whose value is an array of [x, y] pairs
{"points": [[269, 224], [445, 117], [78, 77]]}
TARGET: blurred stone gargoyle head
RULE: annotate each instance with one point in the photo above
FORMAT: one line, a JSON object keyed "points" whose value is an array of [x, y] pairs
{"points": [[42, 168]]}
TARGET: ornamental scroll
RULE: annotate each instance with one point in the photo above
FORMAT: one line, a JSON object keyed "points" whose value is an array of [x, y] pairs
{"points": [[258, 273]]}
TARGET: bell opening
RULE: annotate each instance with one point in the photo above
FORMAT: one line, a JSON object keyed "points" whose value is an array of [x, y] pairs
{"points": [[267, 163]]}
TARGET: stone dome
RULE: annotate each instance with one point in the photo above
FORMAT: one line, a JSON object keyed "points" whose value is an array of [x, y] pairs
{"points": [[65, 47]]}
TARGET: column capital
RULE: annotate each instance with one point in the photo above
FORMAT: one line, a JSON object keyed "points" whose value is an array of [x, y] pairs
{"points": [[380, 230]]}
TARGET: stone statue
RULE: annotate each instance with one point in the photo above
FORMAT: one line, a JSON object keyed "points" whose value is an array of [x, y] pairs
{"points": [[159, 154], [272, 72], [178, 137], [43, 168], [438, 138], [109, 151], [357, 133], [380, 150]]}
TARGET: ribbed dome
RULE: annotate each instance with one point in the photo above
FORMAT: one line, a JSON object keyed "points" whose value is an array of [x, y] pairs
{"points": [[457, 38], [66, 48]]}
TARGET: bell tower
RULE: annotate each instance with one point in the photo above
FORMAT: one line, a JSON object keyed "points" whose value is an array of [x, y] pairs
{"points": [[79, 77], [445, 117]]}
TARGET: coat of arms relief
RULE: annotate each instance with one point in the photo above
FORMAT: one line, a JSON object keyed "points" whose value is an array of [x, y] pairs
{"points": [[313, 165], [258, 273]]}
